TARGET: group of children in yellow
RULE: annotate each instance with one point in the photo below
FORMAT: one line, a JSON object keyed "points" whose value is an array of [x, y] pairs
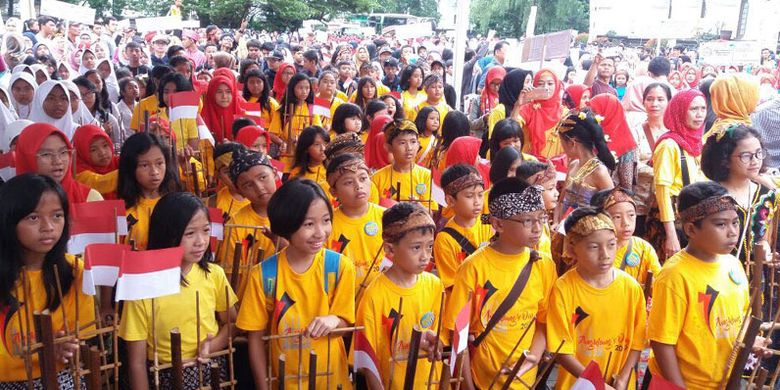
{"points": [[327, 264]]}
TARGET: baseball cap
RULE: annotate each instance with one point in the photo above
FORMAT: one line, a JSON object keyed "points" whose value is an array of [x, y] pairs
{"points": [[277, 55], [391, 62]]}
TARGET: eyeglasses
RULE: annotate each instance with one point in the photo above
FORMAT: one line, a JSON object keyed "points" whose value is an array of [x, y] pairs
{"points": [[61, 155], [747, 157], [530, 222]]}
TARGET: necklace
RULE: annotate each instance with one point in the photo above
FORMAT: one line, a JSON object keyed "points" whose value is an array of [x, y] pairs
{"points": [[586, 169]]}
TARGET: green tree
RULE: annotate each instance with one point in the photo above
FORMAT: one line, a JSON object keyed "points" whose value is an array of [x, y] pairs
{"points": [[510, 17], [426, 8]]}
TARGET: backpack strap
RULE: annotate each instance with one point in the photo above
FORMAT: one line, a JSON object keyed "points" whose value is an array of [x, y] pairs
{"points": [[270, 268], [466, 246], [686, 177], [331, 276]]}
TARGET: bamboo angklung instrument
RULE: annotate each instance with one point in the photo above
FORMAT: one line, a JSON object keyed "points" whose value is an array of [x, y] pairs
{"points": [[508, 357], [411, 360], [44, 331], [312, 370], [438, 336], [394, 341], [177, 369]]}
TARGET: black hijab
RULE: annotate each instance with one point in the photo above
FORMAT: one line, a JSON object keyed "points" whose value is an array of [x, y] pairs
{"points": [[511, 86]]}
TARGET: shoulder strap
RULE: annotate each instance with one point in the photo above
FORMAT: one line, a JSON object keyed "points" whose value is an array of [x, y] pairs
{"points": [[626, 255], [649, 136], [332, 262], [511, 297], [213, 200], [466, 246], [686, 177], [269, 267]]}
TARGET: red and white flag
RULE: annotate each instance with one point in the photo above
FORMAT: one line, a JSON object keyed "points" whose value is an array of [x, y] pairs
{"points": [[217, 219], [437, 193], [659, 383], [96, 222], [460, 337], [590, 379], [7, 166], [101, 265], [149, 274], [253, 111], [321, 107], [365, 357], [183, 105]]}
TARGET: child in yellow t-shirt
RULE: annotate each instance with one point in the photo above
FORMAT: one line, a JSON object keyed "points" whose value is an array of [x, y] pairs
{"points": [[517, 214], [598, 310], [227, 199], [465, 232], [545, 176], [310, 156], [180, 219], [357, 230], [635, 256], [295, 113], [701, 294], [305, 291], [408, 237], [255, 178], [403, 180], [427, 123], [32, 210]]}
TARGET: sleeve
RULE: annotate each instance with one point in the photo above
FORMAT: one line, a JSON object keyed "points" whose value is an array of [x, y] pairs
{"points": [[667, 315], [86, 304], [445, 255], [134, 325], [224, 291], [437, 303], [665, 166], [104, 184], [652, 259], [549, 275], [373, 197], [253, 313], [640, 320], [343, 302], [663, 196], [134, 125], [276, 123], [558, 324]]}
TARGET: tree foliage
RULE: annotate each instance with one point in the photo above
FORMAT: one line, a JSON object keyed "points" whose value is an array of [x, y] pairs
{"points": [[426, 8], [510, 17]]}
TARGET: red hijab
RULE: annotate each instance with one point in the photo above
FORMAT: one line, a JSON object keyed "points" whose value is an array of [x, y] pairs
{"points": [[465, 150], [678, 85], [686, 69], [279, 86], [82, 140], [488, 100], [376, 155], [674, 119], [575, 92], [542, 115], [220, 119], [27, 161], [249, 134], [614, 123]]}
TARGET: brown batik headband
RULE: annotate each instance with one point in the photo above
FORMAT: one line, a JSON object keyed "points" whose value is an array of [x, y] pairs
{"points": [[349, 166], [706, 207], [616, 196], [418, 219], [587, 225], [463, 182]]}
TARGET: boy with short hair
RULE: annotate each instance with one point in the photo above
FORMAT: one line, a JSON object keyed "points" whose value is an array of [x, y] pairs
{"points": [[544, 175], [509, 285], [357, 230], [255, 179], [598, 310], [408, 233], [404, 180], [464, 233]]}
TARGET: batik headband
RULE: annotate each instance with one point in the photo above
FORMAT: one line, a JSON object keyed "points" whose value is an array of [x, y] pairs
{"points": [[243, 161], [418, 219], [344, 143], [392, 129], [349, 166], [544, 176], [223, 160], [617, 196], [588, 224], [508, 205], [463, 182], [706, 207]]}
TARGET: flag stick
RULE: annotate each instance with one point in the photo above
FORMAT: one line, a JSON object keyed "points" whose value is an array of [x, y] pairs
{"points": [[300, 361], [438, 335], [115, 349], [230, 338], [462, 360], [101, 342], [606, 368], [513, 372], [327, 366], [543, 372], [25, 337], [197, 332], [363, 284], [517, 344], [312, 370], [281, 374], [154, 351]]}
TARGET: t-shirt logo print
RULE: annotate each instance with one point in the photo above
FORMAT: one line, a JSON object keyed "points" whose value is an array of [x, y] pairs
{"points": [[282, 305], [483, 293], [340, 244], [707, 300], [578, 316], [390, 322]]}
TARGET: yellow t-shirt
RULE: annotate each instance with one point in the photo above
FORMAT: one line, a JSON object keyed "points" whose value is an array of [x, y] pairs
{"points": [[298, 299], [426, 152], [410, 102], [148, 104], [138, 218], [496, 114], [266, 114], [359, 239], [261, 246], [601, 324], [698, 308], [552, 146], [667, 175], [102, 183], [381, 89], [489, 276], [414, 185], [318, 175], [379, 308], [15, 324], [448, 254], [178, 311], [641, 260], [302, 118], [441, 107], [228, 204]]}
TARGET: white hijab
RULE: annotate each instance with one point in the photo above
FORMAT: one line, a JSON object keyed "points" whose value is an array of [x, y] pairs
{"points": [[66, 123], [112, 84], [23, 111], [40, 68], [11, 131], [83, 69], [82, 116]]}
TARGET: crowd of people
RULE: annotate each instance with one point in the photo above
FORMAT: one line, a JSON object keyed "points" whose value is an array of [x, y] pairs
{"points": [[357, 195]]}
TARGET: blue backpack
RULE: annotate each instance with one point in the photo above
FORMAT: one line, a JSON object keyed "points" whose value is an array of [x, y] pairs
{"points": [[270, 267]]}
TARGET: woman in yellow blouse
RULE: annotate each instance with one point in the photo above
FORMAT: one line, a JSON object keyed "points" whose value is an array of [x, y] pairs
{"points": [[676, 162], [294, 115]]}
